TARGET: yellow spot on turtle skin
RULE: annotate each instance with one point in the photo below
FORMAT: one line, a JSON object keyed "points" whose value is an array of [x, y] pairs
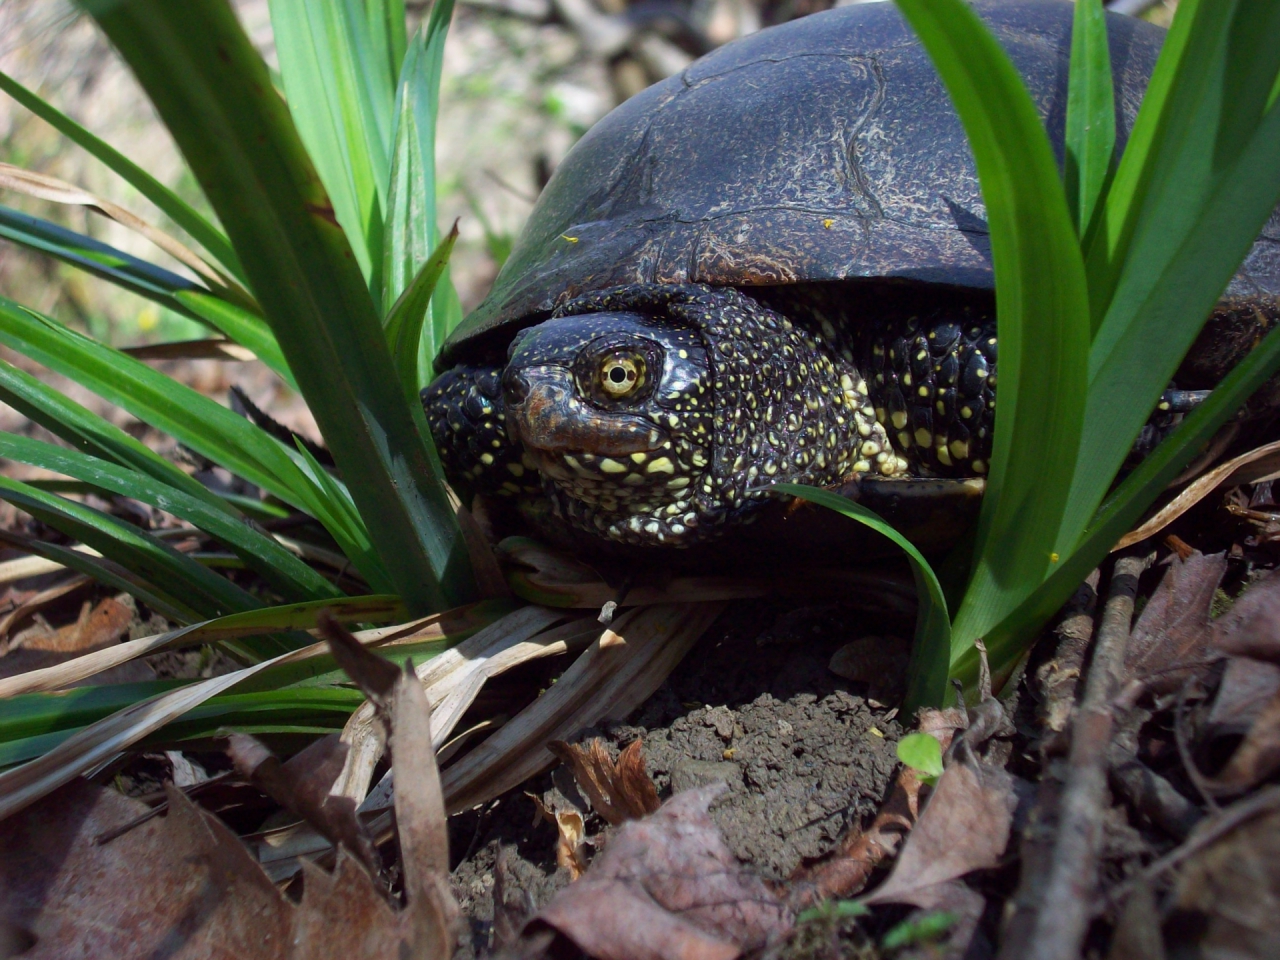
{"points": [[980, 374], [906, 379], [826, 224], [942, 407], [960, 449], [899, 419], [1162, 405], [979, 466], [516, 469], [510, 487], [639, 457], [923, 437], [608, 465], [904, 440], [679, 483], [565, 236], [923, 391], [922, 354], [661, 465], [944, 457], [486, 459], [966, 412]]}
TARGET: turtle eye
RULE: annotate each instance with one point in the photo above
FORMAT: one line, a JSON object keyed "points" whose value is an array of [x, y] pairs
{"points": [[621, 375]]}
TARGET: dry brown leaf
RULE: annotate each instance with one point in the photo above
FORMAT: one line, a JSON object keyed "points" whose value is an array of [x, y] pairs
{"points": [[879, 662], [97, 626], [964, 827], [1226, 903], [301, 787], [208, 349], [571, 832], [181, 886], [1173, 633], [1256, 758], [38, 601], [1250, 627], [616, 674], [617, 791], [1252, 467], [667, 888]]}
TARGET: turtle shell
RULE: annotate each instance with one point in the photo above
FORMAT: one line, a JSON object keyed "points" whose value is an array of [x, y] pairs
{"points": [[823, 149]]}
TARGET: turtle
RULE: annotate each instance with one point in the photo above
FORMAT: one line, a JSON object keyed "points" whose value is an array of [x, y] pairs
{"points": [[771, 267]]}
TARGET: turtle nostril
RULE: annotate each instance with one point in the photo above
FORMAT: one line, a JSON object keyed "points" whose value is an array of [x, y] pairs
{"points": [[515, 386]]}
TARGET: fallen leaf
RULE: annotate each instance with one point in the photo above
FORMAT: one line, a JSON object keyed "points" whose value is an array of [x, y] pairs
{"points": [[180, 886], [571, 832], [1226, 901], [1249, 629], [964, 827], [617, 791], [847, 869], [300, 786], [38, 601], [1252, 467], [1173, 632], [666, 888], [1247, 686], [879, 662], [1256, 758]]}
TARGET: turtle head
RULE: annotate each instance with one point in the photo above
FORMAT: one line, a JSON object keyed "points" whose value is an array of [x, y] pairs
{"points": [[616, 410]]}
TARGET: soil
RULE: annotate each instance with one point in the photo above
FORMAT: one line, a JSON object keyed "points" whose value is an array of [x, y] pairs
{"points": [[805, 753]]}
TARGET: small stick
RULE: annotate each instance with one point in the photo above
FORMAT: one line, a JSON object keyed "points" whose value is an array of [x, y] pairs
{"points": [[1060, 908]]}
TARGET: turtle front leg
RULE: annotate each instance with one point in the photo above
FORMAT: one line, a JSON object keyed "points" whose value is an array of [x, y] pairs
{"points": [[468, 424], [933, 383]]}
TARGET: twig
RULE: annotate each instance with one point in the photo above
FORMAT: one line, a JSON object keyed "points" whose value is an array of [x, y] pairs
{"points": [[1054, 907]]}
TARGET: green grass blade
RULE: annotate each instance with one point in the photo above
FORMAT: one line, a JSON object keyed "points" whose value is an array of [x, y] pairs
{"points": [[241, 326], [205, 426], [177, 575], [107, 572], [1158, 311], [412, 232], [280, 568], [200, 229], [1006, 641], [408, 318], [1091, 114], [93, 435], [931, 649], [343, 121], [1203, 105], [348, 527], [387, 33], [212, 90], [128, 272], [1042, 305]]}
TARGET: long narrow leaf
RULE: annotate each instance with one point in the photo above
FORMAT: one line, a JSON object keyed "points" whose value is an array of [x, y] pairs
{"points": [[1091, 114], [241, 326], [1156, 315], [92, 434], [345, 124], [411, 231], [1005, 641], [203, 232], [106, 572], [280, 568], [409, 315], [1042, 312], [212, 90], [931, 650], [171, 571], [99, 259]]}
